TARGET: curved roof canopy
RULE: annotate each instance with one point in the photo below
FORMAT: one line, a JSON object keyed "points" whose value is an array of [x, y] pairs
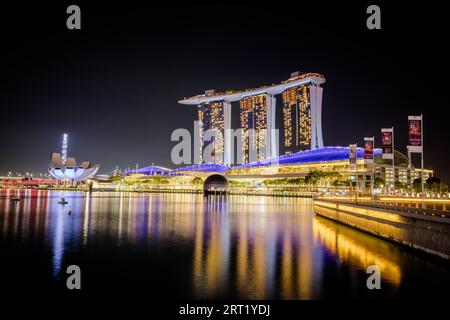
{"points": [[325, 154], [318, 155], [204, 167], [231, 96], [150, 170]]}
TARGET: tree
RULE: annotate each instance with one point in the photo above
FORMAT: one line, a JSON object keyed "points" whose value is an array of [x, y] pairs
{"points": [[236, 183], [280, 181], [313, 177], [433, 184], [378, 182], [297, 181], [115, 178], [164, 181], [336, 183], [197, 181], [417, 185], [399, 185], [340, 183]]}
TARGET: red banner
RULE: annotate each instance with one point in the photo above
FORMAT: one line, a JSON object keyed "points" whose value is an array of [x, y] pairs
{"points": [[387, 142], [368, 150], [415, 130], [352, 155]]}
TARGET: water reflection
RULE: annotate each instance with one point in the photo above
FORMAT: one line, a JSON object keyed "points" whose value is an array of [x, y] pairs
{"points": [[240, 247], [360, 249]]}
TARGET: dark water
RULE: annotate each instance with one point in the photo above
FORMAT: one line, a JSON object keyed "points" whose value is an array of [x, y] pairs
{"points": [[189, 246]]}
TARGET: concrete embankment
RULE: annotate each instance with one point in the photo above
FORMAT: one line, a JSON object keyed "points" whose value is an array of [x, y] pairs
{"points": [[424, 230]]}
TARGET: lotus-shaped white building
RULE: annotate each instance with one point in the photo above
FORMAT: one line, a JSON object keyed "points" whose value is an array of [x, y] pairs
{"points": [[70, 170], [64, 168]]}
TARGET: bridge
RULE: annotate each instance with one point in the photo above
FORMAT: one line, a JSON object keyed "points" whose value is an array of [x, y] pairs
{"points": [[215, 184], [25, 182]]}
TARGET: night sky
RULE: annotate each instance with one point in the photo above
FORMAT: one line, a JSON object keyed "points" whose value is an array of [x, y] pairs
{"points": [[113, 86]]}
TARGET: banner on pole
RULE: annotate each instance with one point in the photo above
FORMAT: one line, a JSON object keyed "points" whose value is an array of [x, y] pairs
{"points": [[368, 149], [415, 134], [387, 141], [352, 148]]}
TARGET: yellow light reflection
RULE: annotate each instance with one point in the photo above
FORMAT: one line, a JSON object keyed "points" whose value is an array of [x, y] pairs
{"points": [[359, 249]]}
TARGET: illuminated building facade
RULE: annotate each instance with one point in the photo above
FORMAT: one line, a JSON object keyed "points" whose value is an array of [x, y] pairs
{"points": [[214, 118], [332, 159], [64, 148], [404, 173], [257, 115], [302, 113], [302, 117], [66, 168]]}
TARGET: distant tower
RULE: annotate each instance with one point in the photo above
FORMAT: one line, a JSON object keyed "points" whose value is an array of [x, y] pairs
{"points": [[64, 148]]}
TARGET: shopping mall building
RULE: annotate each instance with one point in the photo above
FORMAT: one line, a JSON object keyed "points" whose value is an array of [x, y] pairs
{"points": [[332, 159]]}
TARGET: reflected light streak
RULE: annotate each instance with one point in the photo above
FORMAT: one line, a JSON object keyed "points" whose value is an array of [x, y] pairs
{"points": [[360, 249], [86, 215]]}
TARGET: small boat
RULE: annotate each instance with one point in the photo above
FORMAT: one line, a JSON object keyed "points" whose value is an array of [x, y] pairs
{"points": [[15, 199], [63, 201]]}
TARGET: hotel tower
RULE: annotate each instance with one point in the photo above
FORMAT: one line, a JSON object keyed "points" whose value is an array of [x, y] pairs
{"points": [[257, 115], [302, 119], [213, 118]]}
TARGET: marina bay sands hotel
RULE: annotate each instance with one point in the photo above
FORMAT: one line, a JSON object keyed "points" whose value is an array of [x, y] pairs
{"points": [[302, 118]]}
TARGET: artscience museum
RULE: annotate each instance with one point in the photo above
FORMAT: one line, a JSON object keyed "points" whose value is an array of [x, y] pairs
{"points": [[65, 168], [69, 170]]}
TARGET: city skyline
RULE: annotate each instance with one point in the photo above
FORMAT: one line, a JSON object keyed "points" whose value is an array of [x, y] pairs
{"points": [[119, 103], [224, 159]]}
